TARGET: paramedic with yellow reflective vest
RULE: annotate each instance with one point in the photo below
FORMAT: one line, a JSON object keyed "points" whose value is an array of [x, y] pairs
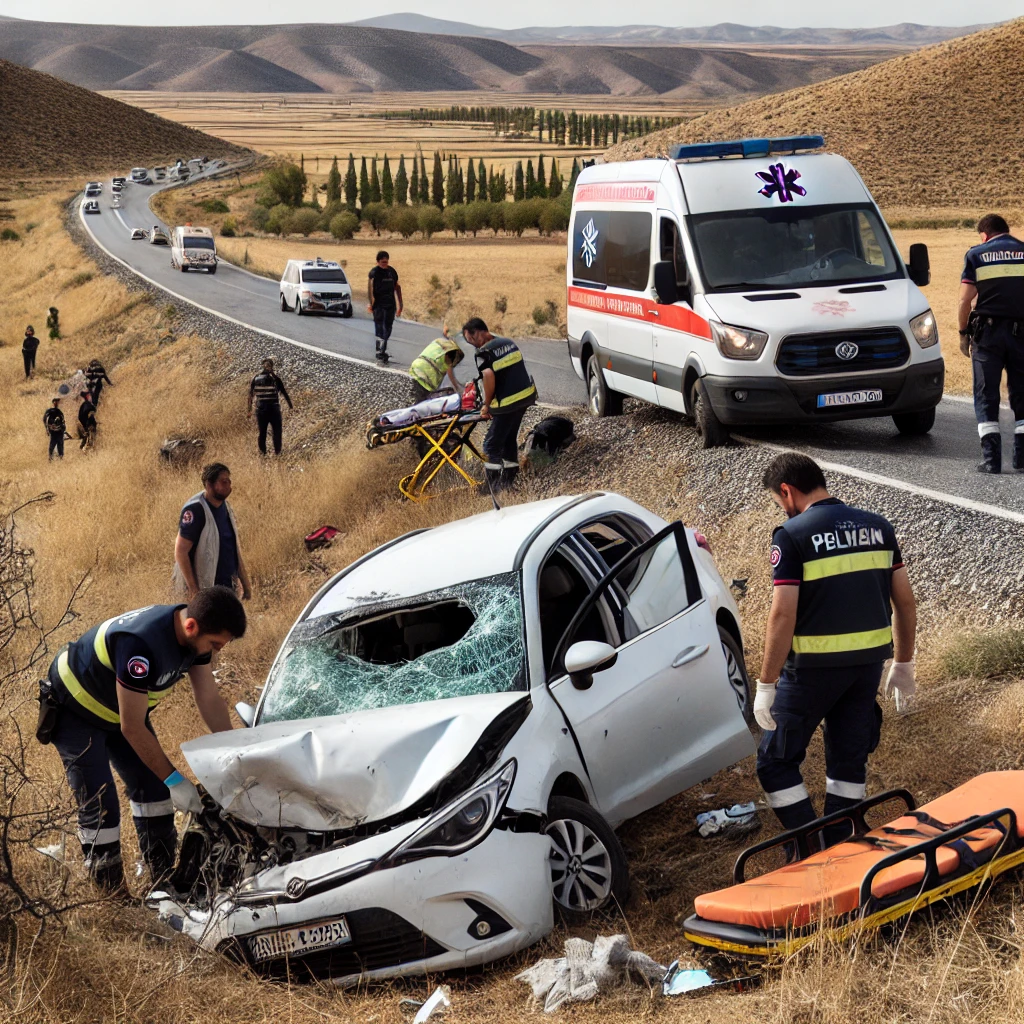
{"points": [[95, 707], [508, 391], [841, 603], [430, 367]]}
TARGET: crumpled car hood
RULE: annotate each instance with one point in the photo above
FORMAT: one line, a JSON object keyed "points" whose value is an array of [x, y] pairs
{"points": [[324, 774]]}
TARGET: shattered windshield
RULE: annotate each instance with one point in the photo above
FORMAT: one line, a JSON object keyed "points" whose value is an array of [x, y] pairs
{"points": [[458, 642]]}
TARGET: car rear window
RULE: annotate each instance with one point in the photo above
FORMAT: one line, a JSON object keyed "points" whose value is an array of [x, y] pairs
{"points": [[198, 242]]}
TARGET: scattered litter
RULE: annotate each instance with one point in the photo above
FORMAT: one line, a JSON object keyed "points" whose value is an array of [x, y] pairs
{"points": [[740, 586], [435, 1005], [707, 796], [321, 537], [588, 968], [681, 981], [56, 852], [737, 820]]}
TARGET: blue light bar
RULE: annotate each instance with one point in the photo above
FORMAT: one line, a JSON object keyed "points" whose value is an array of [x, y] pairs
{"points": [[746, 147]]}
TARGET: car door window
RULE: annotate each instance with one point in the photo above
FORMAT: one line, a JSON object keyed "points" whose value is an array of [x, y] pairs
{"points": [[672, 251], [613, 537]]}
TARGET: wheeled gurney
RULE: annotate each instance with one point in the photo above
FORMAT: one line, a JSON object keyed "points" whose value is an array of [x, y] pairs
{"points": [[874, 876]]}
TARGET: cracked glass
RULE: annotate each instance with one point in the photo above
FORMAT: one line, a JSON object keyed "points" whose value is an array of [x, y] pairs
{"points": [[457, 642]]}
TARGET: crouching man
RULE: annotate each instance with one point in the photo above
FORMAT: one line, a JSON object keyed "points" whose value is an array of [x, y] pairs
{"points": [[95, 706]]}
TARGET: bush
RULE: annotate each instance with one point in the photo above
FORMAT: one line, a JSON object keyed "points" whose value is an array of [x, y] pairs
{"points": [[304, 222], [496, 217], [477, 217], [229, 227], [278, 219], [344, 225], [455, 218], [430, 219], [540, 315], [214, 206], [258, 217], [9, 235], [376, 215], [520, 216], [329, 212], [79, 279], [501, 304], [987, 655], [285, 185], [554, 217], [403, 220]]}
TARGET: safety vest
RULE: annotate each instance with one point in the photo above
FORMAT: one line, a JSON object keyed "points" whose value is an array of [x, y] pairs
{"points": [[430, 366], [513, 385]]}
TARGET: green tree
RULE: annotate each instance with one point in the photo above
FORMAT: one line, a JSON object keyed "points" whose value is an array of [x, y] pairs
{"points": [[414, 183], [477, 216], [284, 184], [344, 225], [430, 219], [449, 184], [424, 194], [404, 220], [470, 183], [540, 125], [278, 220], [437, 184], [530, 186], [555, 182], [460, 183], [304, 221], [455, 218], [402, 182], [554, 217], [519, 190], [387, 184], [495, 187], [375, 196], [364, 186], [334, 182], [481, 180], [574, 173], [541, 188], [351, 186], [376, 215]]}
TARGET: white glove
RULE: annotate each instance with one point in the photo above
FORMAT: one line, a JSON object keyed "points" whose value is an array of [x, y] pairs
{"points": [[901, 683], [763, 701], [185, 796]]}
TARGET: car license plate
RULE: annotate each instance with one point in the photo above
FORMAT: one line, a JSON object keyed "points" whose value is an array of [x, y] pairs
{"points": [[299, 941], [849, 398]]}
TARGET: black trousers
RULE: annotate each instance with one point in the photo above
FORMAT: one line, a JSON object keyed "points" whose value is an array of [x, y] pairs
{"points": [[96, 390], [56, 443], [997, 348], [501, 445], [842, 698], [383, 321], [29, 359], [269, 416]]}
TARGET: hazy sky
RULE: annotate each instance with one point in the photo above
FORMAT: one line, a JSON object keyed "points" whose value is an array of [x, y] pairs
{"points": [[520, 14]]}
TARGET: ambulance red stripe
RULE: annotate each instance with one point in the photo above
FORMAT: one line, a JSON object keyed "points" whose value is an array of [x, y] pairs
{"points": [[675, 318]]}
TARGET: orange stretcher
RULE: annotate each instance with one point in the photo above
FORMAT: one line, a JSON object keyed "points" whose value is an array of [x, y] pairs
{"points": [[874, 876]]}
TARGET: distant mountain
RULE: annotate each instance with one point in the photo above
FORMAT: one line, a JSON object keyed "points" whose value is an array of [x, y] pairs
{"points": [[905, 34]]}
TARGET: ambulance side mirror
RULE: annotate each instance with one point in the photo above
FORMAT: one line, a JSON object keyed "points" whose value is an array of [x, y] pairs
{"points": [[919, 267], [665, 283]]}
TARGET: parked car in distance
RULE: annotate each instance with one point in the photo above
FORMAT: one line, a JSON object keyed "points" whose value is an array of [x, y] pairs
{"points": [[158, 236], [91, 206], [94, 188], [118, 180], [445, 745], [140, 175], [115, 203], [159, 173], [138, 234], [315, 286]]}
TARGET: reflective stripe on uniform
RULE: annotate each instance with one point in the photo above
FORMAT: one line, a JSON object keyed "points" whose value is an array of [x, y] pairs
{"points": [[99, 836], [517, 397], [506, 361], [835, 565], [1000, 270], [152, 809], [1018, 427], [80, 694], [988, 427], [99, 644], [787, 797], [840, 642], [155, 696], [847, 790]]}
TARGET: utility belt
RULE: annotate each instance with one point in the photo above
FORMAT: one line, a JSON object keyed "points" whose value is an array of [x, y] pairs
{"points": [[978, 320]]}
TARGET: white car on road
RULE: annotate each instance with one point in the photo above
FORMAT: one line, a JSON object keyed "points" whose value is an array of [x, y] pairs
{"points": [[450, 733], [315, 286]]}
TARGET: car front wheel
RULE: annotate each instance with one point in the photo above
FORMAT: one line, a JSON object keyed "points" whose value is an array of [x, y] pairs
{"points": [[589, 873], [913, 424]]}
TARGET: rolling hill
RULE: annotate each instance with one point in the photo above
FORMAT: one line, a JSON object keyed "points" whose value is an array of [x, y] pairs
{"points": [[939, 127], [53, 127], [349, 59]]}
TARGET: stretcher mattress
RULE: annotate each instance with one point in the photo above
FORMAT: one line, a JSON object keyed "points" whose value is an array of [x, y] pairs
{"points": [[827, 884]]}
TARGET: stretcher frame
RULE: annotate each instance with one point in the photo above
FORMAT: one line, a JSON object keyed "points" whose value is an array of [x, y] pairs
{"points": [[873, 911]]}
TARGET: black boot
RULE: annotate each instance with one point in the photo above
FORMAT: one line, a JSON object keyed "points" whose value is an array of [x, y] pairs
{"points": [[493, 484], [508, 476], [992, 453], [1018, 452]]}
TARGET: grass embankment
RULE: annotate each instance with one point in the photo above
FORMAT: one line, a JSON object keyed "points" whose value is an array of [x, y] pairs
{"points": [[113, 516]]}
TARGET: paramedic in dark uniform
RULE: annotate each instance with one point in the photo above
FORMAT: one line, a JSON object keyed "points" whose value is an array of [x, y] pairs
{"points": [[508, 391], [267, 389], [384, 295], [95, 707], [993, 284], [53, 420], [841, 603]]}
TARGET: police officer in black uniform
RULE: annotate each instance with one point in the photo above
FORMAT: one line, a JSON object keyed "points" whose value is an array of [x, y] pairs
{"points": [[838, 577], [993, 336], [95, 706], [53, 420], [508, 391], [266, 389]]}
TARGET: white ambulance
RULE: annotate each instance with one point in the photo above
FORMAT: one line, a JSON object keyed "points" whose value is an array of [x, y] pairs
{"points": [[745, 283], [193, 248]]}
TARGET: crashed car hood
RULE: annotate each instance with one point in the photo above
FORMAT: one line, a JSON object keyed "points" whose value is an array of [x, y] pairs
{"points": [[333, 773]]}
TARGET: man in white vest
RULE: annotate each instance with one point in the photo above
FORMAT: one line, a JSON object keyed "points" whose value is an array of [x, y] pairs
{"points": [[206, 550]]}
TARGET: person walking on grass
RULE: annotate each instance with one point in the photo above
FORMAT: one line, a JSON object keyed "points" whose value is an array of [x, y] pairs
{"points": [[96, 376], [384, 295], [53, 420], [266, 389], [206, 550], [28, 351], [86, 421]]}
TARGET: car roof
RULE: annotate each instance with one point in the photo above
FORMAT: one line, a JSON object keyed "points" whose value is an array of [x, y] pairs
{"points": [[468, 549]]}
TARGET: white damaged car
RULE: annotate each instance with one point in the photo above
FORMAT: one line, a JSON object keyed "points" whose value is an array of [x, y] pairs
{"points": [[449, 735]]}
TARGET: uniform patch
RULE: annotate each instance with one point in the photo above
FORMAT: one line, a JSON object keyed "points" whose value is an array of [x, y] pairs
{"points": [[775, 555], [186, 517], [138, 667]]}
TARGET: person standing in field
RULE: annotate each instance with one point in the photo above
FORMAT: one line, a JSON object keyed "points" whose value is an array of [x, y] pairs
{"points": [[96, 376], [86, 421], [384, 295], [28, 350], [206, 550], [266, 389], [53, 420]]}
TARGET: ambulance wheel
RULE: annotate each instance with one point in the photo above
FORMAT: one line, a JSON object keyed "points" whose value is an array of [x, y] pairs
{"points": [[589, 873], [710, 429], [736, 669], [914, 423], [602, 400]]}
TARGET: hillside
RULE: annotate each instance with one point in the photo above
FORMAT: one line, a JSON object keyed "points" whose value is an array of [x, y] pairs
{"points": [[52, 127], [940, 127], [353, 59]]}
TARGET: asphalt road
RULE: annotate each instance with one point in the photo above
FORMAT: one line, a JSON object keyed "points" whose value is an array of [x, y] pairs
{"points": [[940, 464]]}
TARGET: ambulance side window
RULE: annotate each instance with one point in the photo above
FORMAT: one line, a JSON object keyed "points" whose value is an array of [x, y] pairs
{"points": [[612, 249], [672, 252]]}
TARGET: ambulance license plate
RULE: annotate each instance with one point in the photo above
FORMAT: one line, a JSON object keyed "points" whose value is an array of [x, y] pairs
{"points": [[299, 941], [849, 398]]}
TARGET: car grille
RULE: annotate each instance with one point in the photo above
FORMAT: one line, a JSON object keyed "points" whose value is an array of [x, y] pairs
{"points": [[805, 355], [380, 939]]}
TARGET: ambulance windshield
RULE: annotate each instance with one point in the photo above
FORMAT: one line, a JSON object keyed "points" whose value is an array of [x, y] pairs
{"points": [[793, 247]]}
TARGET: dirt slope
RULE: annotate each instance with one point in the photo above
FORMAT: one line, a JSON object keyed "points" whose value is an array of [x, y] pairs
{"points": [[50, 126], [940, 127]]}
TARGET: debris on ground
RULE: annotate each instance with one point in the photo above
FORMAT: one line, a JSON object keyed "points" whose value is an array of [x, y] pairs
{"points": [[587, 969], [183, 451], [681, 981], [737, 820], [321, 537], [439, 1001]]}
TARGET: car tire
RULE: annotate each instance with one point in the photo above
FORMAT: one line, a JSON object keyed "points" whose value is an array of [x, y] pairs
{"points": [[913, 424], [347, 314], [284, 304], [184, 268], [601, 400], [736, 669], [298, 306], [710, 428], [589, 873], [213, 270]]}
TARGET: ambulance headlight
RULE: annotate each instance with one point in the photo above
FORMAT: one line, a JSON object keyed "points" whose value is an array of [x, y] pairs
{"points": [[738, 342], [925, 329]]}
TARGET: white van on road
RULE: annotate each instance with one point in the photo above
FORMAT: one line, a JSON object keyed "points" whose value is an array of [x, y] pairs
{"points": [[748, 282], [315, 286], [193, 249]]}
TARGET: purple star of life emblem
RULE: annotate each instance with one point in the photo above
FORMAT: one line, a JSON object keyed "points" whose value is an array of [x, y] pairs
{"points": [[780, 181]]}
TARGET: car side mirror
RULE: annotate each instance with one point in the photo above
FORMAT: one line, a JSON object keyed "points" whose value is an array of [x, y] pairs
{"points": [[665, 283], [919, 267], [585, 658], [246, 712]]}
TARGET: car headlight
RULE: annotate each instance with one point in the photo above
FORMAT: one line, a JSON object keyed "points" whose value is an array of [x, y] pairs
{"points": [[458, 827], [925, 329], [738, 342]]}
